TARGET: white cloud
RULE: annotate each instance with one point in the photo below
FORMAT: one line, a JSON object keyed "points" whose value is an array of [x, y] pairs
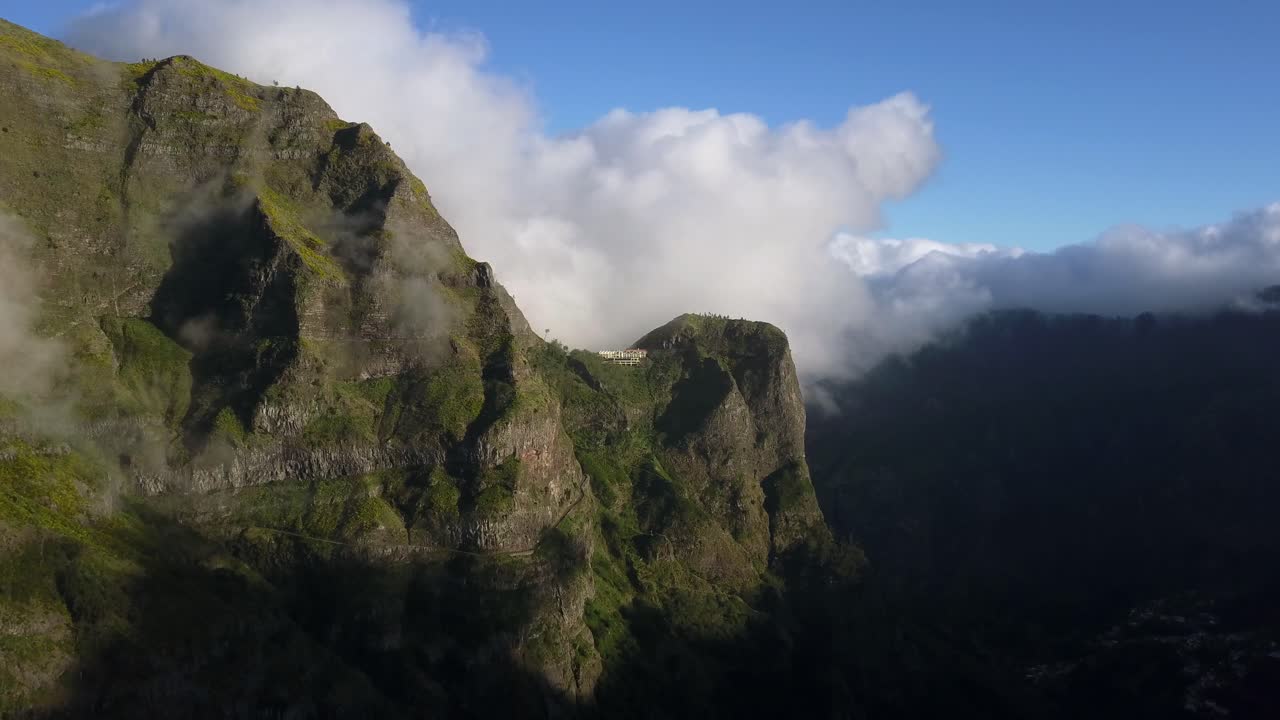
{"points": [[606, 232], [920, 287], [878, 256]]}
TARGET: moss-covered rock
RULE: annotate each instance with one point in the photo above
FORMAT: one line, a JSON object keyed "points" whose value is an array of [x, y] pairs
{"points": [[152, 371]]}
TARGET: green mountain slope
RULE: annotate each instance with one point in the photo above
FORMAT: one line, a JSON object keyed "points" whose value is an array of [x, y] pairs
{"points": [[295, 453]]}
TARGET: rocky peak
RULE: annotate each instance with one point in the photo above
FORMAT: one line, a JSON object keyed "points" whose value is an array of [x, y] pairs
{"points": [[736, 422], [758, 357]]}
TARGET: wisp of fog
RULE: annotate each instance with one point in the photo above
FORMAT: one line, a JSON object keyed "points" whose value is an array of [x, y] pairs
{"points": [[29, 360]]}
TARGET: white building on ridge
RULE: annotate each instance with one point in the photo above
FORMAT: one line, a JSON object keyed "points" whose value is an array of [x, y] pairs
{"points": [[630, 356]]}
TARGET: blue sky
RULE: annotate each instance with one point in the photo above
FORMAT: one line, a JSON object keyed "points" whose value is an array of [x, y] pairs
{"points": [[1057, 120]]}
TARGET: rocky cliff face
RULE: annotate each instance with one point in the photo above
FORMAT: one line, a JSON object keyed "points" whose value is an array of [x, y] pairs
{"points": [[736, 427], [300, 426]]}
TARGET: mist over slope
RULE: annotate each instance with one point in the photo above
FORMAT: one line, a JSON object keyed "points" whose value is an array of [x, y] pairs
{"points": [[606, 231], [30, 361]]}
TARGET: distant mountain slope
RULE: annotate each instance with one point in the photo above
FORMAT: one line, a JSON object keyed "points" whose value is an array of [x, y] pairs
{"points": [[1058, 484]]}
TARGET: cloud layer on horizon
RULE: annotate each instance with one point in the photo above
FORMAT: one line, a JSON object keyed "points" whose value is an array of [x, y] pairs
{"points": [[921, 287], [606, 232]]}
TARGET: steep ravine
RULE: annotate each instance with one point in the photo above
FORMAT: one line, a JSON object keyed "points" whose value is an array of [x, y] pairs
{"points": [[1092, 497]]}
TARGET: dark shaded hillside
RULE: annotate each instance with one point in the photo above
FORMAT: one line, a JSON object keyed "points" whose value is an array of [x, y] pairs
{"points": [[1047, 481]]}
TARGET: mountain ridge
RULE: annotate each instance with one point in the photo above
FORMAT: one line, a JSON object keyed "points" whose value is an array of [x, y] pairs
{"points": [[285, 383]]}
